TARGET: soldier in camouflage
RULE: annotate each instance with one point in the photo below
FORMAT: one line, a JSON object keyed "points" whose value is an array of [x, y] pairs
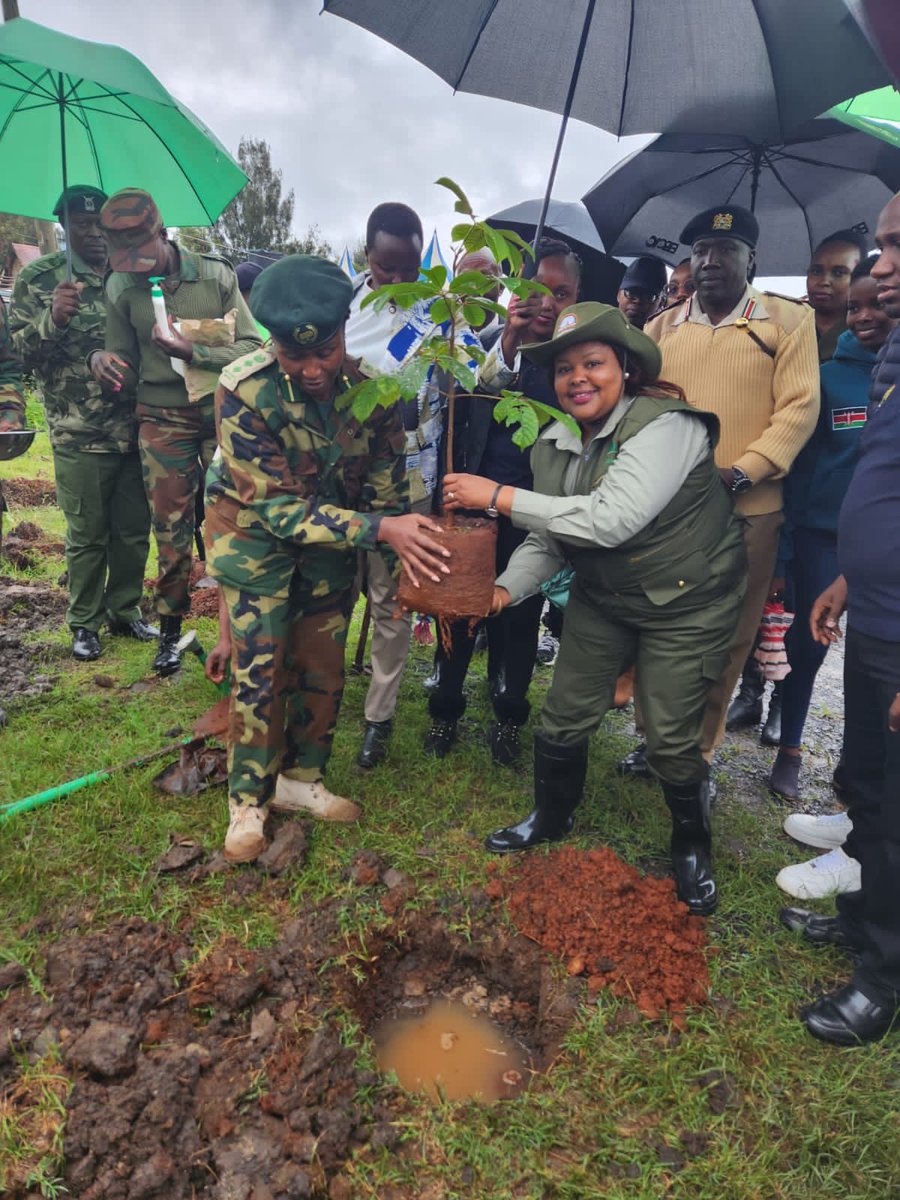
{"points": [[12, 399], [176, 436], [56, 323], [298, 487]]}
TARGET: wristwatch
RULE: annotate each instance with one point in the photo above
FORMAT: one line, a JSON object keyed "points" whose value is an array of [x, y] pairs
{"points": [[740, 481], [492, 510]]}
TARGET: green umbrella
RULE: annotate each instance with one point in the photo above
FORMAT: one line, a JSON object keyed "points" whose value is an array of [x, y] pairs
{"points": [[73, 111], [875, 112]]}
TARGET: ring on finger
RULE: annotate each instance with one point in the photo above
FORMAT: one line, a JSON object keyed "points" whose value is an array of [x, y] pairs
{"points": [[451, 495]]}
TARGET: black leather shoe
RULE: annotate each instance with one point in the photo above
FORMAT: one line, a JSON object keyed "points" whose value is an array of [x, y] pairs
{"points": [[847, 1017], [821, 931], [771, 731], [505, 747], [440, 738], [140, 630], [85, 645], [374, 744], [168, 656], [635, 763]]}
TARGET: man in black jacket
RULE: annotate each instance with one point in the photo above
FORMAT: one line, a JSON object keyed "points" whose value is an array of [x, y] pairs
{"points": [[487, 448]]}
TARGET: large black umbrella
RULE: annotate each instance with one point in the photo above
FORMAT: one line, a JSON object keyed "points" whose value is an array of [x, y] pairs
{"points": [[569, 220], [757, 67], [827, 177]]}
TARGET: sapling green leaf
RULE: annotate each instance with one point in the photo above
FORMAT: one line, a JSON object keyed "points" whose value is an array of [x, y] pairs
{"points": [[462, 200]]}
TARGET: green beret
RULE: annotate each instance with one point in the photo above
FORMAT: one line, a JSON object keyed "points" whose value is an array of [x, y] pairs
{"points": [[302, 300], [593, 322], [80, 198], [728, 220]]}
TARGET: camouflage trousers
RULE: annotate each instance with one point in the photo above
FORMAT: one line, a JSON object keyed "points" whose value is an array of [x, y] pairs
{"points": [[176, 446], [287, 662]]}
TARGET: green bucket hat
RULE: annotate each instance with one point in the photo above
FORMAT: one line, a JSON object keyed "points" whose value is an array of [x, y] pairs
{"points": [[593, 322]]}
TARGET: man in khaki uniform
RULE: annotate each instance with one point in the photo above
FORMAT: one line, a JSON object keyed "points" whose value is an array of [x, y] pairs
{"points": [[750, 357]]}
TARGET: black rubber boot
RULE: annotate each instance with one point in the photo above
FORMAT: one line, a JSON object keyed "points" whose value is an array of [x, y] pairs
{"points": [[168, 656], [746, 708], [691, 845], [559, 772], [771, 731]]}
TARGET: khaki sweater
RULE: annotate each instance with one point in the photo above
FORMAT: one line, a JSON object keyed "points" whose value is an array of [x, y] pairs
{"points": [[767, 402]]}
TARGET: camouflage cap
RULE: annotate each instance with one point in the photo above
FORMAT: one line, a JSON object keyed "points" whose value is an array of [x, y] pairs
{"points": [[131, 222], [302, 300], [80, 198]]}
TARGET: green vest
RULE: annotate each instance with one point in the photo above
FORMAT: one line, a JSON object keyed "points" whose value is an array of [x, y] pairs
{"points": [[695, 536]]}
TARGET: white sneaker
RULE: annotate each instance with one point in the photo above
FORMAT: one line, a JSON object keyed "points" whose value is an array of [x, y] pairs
{"points": [[295, 795], [823, 876], [245, 839], [826, 832]]}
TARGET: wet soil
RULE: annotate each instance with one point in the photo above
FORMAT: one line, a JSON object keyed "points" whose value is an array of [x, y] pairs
{"points": [[25, 543], [204, 591], [608, 922], [29, 493], [224, 1074], [27, 669]]}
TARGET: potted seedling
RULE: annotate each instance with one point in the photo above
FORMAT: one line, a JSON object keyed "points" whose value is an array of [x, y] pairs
{"points": [[458, 299]]}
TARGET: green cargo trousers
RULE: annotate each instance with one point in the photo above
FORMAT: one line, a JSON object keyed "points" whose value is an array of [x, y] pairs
{"points": [[107, 534], [680, 649]]}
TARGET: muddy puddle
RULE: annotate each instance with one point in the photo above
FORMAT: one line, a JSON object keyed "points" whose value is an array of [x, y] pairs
{"points": [[449, 1052]]}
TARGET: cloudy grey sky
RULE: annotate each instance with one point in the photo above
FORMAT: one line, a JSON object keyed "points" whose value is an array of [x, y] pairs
{"points": [[351, 120]]}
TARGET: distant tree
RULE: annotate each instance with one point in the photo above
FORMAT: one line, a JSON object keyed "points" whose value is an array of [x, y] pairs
{"points": [[202, 239], [312, 242], [259, 217], [358, 255]]}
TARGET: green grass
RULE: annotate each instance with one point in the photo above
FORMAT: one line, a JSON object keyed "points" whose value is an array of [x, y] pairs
{"points": [[783, 1117]]}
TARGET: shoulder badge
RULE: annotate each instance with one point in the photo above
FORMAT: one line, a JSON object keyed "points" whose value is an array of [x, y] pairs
{"points": [[781, 296], [245, 366]]}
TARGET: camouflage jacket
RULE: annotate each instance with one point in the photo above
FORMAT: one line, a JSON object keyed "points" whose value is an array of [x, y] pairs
{"points": [[203, 286], [294, 478], [80, 415], [12, 399]]}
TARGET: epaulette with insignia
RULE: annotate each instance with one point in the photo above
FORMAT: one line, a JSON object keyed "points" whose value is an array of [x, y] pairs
{"points": [[245, 366], [781, 296]]}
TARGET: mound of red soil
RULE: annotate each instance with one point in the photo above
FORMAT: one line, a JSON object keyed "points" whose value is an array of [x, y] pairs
{"points": [[610, 923]]}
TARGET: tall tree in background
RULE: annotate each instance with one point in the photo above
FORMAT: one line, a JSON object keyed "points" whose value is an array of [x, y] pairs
{"points": [[312, 242], [258, 218]]}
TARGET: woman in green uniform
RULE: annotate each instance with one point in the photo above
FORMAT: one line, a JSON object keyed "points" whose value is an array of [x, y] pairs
{"points": [[635, 505], [298, 487]]}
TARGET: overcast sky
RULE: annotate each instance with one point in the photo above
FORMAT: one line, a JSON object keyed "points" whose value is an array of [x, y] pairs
{"points": [[351, 120]]}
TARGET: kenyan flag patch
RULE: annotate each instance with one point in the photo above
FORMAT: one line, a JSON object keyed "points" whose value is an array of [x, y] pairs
{"points": [[848, 418]]}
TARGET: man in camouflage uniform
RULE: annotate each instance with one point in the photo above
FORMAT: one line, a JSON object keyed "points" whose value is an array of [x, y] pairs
{"points": [[12, 400], [176, 437], [297, 489], [56, 323]]}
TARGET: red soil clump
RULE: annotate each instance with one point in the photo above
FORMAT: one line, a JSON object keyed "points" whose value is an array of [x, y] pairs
{"points": [[607, 921]]}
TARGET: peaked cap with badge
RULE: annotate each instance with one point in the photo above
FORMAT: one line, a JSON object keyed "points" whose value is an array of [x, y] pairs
{"points": [[594, 322], [303, 300], [132, 222], [80, 198], [727, 220]]}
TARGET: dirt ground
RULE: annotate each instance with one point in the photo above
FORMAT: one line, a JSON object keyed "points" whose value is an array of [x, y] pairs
{"points": [[200, 1076]]}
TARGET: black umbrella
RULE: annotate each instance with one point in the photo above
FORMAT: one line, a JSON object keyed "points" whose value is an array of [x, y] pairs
{"points": [[828, 177], [569, 220], [759, 67]]}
